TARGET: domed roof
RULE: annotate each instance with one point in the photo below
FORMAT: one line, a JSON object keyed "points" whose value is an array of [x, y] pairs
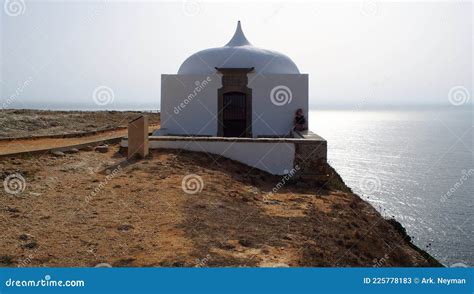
{"points": [[238, 53]]}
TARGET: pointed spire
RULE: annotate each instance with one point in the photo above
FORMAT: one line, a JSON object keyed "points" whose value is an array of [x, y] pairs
{"points": [[239, 38]]}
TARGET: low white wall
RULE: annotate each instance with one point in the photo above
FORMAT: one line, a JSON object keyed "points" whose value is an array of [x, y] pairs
{"points": [[275, 158]]}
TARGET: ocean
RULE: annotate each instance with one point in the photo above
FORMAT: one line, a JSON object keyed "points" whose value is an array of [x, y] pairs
{"points": [[415, 165]]}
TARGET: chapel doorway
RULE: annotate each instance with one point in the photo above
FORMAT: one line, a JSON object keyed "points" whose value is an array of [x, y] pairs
{"points": [[234, 114], [234, 103]]}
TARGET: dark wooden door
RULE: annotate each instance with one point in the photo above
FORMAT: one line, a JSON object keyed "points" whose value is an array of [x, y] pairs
{"points": [[234, 114]]}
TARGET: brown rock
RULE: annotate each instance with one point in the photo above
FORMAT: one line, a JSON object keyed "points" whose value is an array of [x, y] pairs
{"points": [[30, 245], [58, 153], [72, 150], [87, 148], [25, 237], [102, 148]]}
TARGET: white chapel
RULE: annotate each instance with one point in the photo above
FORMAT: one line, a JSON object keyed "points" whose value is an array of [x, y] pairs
{"points": [[237, 90]]}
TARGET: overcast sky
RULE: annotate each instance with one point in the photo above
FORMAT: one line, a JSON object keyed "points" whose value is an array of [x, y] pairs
{"points": [[54, 54]]}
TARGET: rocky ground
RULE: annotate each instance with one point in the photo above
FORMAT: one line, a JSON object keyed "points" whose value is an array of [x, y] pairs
{"points": [[25, 123], [184, 209]]}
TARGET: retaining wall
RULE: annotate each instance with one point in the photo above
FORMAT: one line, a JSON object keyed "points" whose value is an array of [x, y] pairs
{"points": [[273, 155]]}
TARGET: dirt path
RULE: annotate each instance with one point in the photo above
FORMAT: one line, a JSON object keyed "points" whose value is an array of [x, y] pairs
{"points": [[28, 145]]}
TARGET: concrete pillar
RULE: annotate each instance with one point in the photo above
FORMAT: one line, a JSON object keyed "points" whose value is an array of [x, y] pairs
{"points": [[138, 137]]}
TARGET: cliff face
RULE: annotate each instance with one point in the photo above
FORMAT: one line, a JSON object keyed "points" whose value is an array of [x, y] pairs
{"points": [[391, 232], [188, 209]]}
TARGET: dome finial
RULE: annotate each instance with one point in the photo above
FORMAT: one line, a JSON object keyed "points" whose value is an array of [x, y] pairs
{"points": [[239, 38]]}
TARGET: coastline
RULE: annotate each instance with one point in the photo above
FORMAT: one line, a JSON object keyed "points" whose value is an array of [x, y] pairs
{"points": [[340, 184]]}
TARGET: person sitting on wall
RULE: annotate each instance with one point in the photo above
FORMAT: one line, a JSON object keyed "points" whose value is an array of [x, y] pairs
{"points": [[299, 121]]}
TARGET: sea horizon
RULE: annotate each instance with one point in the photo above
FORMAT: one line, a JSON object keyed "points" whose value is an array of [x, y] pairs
{"points": [[153, 108]]}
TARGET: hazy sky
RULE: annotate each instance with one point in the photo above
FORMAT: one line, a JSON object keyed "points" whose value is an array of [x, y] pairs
{"points": [[56, 53]]}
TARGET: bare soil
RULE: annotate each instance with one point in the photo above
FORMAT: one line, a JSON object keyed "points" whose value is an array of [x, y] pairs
{"points": [[16, 123], [88, 208]]}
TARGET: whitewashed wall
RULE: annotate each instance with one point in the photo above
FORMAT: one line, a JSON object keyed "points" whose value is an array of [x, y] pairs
{"points": [[272, 118], [198, 116]]}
